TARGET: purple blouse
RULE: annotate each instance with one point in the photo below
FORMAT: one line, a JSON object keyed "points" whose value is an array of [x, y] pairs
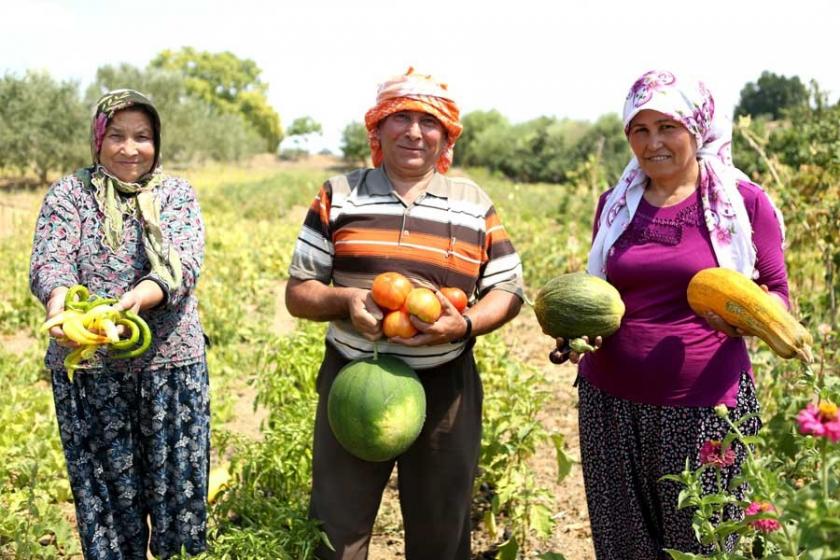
{"points": [[663, 353], [68, 249]]}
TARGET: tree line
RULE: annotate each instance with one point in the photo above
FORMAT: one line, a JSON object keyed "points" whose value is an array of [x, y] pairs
{"points": [[552, 150], [213, 106]]}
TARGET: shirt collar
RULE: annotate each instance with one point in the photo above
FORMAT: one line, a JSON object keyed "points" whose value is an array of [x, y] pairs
{"points": [[377, 183]]}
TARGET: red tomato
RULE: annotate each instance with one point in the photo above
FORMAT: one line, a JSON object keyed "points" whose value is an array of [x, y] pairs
{"points": [[423, 304], [456, 297], [398, 323], [390, 289]]}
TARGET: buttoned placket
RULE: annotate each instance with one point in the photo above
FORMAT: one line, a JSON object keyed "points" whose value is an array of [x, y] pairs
{"points": [[404, 231]]}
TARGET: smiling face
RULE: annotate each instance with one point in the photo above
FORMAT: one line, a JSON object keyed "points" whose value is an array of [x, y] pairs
{"points": [[128, 147], [666, 150], [412, 142]]}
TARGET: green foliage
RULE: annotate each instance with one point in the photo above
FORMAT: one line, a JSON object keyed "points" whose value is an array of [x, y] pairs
{"points": [[810, 139], [475, 123], [510, 499], [304, 125], [606, 143], [19, 310], [354, 144], [797, 474], [32, 468], [544, 149], [228, 83], [264, 514], [193, 129], [43, 125], [771, 95], [300, 132], [798, 160]]}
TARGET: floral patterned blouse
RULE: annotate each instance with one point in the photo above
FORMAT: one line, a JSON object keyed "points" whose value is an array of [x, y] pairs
{"points": [[68, 249]]}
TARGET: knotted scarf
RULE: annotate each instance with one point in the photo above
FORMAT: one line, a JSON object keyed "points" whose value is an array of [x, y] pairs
{"points": [[117, 198]]}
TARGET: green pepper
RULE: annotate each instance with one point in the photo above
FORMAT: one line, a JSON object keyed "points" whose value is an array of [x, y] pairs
{"points": [[97, 301], [145, 337], [133, 337], [76, 298]]}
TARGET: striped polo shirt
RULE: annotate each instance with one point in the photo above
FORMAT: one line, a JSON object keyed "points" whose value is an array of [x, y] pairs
{"points": [[358, 227]]}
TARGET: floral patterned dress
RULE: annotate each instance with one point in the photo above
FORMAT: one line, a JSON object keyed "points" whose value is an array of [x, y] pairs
{"points": [[135, 432]]}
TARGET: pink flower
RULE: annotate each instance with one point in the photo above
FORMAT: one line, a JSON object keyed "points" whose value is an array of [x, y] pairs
{"points": [[712, 453], [723, 235], [820, 421], [763, 525]]}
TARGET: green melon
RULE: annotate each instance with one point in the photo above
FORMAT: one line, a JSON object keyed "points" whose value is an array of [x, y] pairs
{"points": [[376, 407], [578, 304]]}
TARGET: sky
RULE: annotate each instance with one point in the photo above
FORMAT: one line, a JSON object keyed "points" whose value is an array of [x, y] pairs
{"points": [[524, 58]]}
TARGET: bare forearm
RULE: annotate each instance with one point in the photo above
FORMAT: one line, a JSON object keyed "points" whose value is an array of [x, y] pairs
{"points": [[493, 310], [314, 300]]}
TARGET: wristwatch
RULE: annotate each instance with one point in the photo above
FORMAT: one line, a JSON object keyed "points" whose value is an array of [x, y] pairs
{"points": [[467, 333]]}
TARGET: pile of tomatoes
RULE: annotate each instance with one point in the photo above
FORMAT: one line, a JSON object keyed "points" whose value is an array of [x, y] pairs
{"points": [[399, 299]]}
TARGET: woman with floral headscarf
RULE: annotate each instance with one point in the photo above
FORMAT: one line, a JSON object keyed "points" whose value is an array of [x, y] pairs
{"points": [[404, 216], [135, 431], [647, 395]]}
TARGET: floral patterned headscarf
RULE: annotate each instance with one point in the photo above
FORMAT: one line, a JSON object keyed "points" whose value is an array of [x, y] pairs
{"points": [[692, 105], [117, 198], [415, 92], [108, 106]]}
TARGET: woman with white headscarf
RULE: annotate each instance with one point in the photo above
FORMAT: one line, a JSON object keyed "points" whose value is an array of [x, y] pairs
{"points": [[647, 396]]}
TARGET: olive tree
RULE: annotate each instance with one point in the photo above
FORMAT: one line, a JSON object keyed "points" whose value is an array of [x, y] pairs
{"points": [[43, 125]]}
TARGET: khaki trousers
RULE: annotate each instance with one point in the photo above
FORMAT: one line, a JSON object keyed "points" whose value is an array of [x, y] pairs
{"points": [[436, 473]]}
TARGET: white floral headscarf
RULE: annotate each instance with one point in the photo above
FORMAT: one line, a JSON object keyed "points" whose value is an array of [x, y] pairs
{"points": [[725, 215]]}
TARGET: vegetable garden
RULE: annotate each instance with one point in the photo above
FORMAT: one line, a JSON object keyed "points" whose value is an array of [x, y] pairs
{"points": [[528, 460]]}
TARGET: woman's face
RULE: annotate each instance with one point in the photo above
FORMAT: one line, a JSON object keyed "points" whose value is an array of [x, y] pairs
{"points": [[128, 148], [412, 141], [664, 147]]}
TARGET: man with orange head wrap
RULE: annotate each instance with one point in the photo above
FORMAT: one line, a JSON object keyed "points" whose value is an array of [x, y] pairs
{"points": [[405, 216], [413, 92]]}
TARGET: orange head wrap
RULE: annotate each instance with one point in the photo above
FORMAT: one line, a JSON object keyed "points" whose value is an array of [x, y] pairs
{"points": [[414, 92]]}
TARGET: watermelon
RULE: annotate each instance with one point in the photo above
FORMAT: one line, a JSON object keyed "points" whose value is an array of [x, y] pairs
{"points": [[376, 407]]}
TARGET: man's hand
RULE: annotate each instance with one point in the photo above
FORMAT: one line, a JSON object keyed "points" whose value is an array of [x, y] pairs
{"points": [[365, 314], [451, 325]]}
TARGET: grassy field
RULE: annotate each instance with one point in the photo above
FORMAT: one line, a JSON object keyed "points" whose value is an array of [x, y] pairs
{"points": [[529, 497]]}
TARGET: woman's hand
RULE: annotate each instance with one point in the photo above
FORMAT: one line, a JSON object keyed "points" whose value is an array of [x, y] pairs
{"points": [[451, 325], [364, 313], [564, 352], [716, 321], [145, 295], [55, 305]]}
